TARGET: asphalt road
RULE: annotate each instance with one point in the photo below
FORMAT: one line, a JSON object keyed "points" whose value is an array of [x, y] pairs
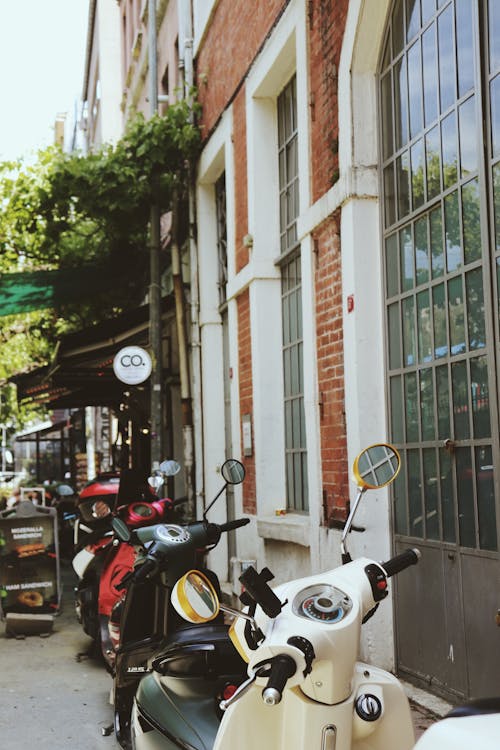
{"points": [[49, 700]]}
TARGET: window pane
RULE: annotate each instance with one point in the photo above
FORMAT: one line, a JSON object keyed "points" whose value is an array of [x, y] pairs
{"points": [[480, 400], [394, 337], [400, 496], [449, 146], [465, 46], [468, 137], [486, 499], [460, 400], [421, 251], [496, 194], [412, 18], [407, 262], [452, 230], [494, 28], [427, 405], [424, 327], [402, 178], [411, 408], [415, 89], [397, 410], [471, 221], [414, 494], [433, 161], [401, 103], [447, 505], [440, 322], [428, 10], [417, 174], [475, 309], [431, 486], [456, 313], [389, 196], [429, 58], [495, 115], [465, 497], [387, 132], [446, 58], [391, 265], [437, 251], [397, 28], [443, 402], [409, 338]]}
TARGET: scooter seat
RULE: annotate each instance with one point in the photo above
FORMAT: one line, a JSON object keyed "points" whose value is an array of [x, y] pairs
{"points": [[199, 651], [477, 707]]}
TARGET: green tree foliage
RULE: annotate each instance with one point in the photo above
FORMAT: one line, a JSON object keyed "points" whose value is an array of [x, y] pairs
{"points": [[74, 210]]}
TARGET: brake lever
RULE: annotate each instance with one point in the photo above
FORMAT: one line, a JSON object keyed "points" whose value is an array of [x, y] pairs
{"points": [[241, 690]]}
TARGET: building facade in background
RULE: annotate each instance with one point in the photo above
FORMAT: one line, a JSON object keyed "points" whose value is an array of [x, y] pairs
{"points": [[343, 274]]}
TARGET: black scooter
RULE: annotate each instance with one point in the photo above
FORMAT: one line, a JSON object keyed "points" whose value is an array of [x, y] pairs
{"points": [[154, 638]]}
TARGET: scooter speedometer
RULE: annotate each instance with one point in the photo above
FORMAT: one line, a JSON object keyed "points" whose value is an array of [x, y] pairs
{"points": [[323, 603]]}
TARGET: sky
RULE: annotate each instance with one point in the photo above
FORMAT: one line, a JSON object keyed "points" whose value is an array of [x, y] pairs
{"points": [[42, 58]]}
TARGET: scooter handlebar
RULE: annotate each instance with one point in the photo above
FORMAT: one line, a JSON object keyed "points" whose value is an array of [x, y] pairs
{"points": [[400, 562], [236, 524], [282, 668]]}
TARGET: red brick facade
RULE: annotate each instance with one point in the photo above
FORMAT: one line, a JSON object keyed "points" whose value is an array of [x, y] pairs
{"points": [[246, 393]]}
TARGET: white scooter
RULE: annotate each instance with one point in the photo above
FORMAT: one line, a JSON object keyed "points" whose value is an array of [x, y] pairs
{"points": [[305, 687]]}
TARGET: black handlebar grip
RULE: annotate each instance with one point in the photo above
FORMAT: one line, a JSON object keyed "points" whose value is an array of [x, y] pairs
{"points": [[282, 668], [147, 567], [230, 525], [400, 562]]}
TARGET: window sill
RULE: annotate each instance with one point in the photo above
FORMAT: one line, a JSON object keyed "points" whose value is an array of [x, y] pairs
{"points": [[288, 528]]}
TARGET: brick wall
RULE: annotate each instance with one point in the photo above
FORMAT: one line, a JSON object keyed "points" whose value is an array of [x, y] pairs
{"points": [[329, 342], [240, 179], [326, 31], [246, 389], [236, 33]]}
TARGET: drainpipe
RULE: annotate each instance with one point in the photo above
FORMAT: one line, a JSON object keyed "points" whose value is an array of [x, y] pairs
{"points": [[154, 266], [185, 14]]}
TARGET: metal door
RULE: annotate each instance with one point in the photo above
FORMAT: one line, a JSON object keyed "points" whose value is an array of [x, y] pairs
{"points": [[440, 110]]}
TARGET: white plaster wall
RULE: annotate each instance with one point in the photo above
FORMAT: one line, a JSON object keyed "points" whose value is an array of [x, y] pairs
{"points": [[110, 70]]}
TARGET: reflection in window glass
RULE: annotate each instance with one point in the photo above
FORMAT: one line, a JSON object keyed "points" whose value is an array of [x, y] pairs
{"points": [[407, 264], [431, 488], [397, 409], [440, 322], [414, 494], [437, 252], [496, 197], [456, 313], [391, 265], [412, 18], [447, 505], [427, 404], [389, 203], [421, 251], [471, 221], [479, 398], [460, 400], [449, 148], [417, 174], [411, 407], [429, 59], [443, 402], [409, 338], [428, 10], [486, 499], [394, 337], [402, 181], [424, 327], [468, 137], [465, 46], [400, 496], [475, 309], [387, 115], [452, 230], [495, 115], [433, 163], [494, 29], [397, 29], [415, 89], [400, 103], [446, 58], [465, 498]]}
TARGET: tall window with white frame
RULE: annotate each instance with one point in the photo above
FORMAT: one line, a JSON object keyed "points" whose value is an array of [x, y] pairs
{"points": [[291, 302], [220, 209]]}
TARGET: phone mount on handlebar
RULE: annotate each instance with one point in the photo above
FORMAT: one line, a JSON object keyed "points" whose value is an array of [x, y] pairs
{"points": [[258, 590]]}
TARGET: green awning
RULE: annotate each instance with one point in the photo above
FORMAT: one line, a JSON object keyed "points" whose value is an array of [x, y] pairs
{"points": [[37, 290]]}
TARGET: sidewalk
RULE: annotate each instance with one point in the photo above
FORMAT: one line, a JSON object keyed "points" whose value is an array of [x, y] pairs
{"points": [[425, 707]]}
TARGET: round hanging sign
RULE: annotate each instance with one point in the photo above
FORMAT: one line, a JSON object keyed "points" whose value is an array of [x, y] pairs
{"points": [[132, 365]]}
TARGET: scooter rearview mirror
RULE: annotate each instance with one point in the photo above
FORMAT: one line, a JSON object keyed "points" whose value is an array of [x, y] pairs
{"points": [[194, 598], [155, 482], [64, 490], [373, 468], [233, 471], [170, 468]]}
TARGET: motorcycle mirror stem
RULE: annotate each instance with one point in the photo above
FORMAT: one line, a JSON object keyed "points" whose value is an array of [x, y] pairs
{"points": [[345, 555]]}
